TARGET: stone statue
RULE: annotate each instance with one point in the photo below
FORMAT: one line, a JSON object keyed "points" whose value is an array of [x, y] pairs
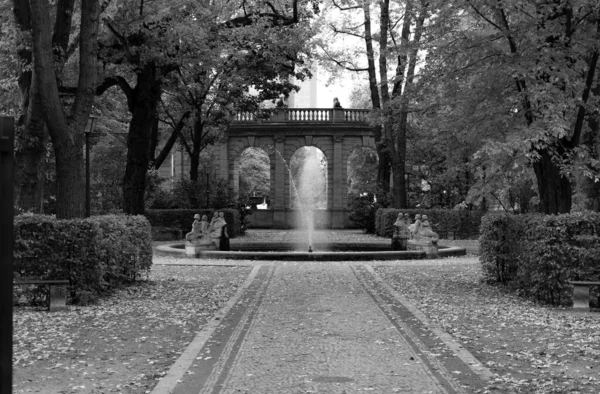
{"points": [[196, 232], [213, 220], [426, 233], [401, 234], [199, 238], [217, 228], [416, 226], [336, 103], [204, 226], [400, 227]]}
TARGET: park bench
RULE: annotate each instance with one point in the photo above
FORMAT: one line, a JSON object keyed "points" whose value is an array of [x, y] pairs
{"points": [[581, 293], [57, 291]]}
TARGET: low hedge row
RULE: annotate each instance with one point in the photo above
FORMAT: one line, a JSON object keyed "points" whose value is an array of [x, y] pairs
{"points": [[95, 254], [538, 254], [463, 223], [182, 219]]}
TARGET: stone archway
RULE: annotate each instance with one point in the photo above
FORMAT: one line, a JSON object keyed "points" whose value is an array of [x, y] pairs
{"points": [[336, 132]]}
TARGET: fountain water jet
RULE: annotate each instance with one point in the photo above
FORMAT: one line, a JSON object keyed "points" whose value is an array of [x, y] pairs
{"points": [[308, 190]]}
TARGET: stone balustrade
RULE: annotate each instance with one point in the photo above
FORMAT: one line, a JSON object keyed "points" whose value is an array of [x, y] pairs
{"points": [[306, 115]]}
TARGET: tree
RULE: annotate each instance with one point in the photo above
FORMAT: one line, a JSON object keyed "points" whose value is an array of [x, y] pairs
{"points": [[21, 99], [146, 42], [254, 174], [399, 40], [65, 122], [542, 57]]}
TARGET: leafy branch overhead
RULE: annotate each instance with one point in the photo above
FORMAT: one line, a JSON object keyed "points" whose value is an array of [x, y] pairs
{"points": [[199, 60]]}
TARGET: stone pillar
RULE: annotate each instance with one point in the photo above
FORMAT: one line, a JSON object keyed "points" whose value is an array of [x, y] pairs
{"points": [[338, 115], [278, 202], [223, 161], [338, 183]]}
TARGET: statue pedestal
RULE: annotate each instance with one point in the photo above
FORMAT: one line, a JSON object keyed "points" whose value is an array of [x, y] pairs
{"points": [[193, 249], [399, 243], [429, 247]]}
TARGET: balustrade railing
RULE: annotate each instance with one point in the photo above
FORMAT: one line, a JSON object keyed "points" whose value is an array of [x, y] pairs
{"points": [[305, 115]]}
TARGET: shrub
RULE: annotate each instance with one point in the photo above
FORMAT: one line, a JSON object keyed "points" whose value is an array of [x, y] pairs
{"points": [[182, 219], [95, 254], [463, 223], [499, 246], [548, 251], [362, 211]]}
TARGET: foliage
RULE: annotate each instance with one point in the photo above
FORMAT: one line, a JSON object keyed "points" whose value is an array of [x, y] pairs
{"points": [[9, 89], [254, 174], [96, 254], [520, 78], [538, 254], [499, 246], [464, 224], [362, 211], [362, 165], [188, 194], [182, 219], [106, 174]]}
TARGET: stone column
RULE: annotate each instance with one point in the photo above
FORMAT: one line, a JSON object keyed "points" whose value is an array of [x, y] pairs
{"points": [[338, 115], [223, 171], [338, 184], [278, 202]]}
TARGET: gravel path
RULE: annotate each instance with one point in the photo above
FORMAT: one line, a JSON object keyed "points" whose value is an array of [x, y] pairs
{"points": [[329, 327]]}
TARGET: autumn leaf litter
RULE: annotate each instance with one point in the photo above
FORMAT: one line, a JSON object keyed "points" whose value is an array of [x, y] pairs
{"points": [[531, 348], [126, 342]]}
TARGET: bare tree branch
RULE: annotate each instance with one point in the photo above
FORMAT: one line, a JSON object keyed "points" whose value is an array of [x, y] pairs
{"points": [[339, 7]]}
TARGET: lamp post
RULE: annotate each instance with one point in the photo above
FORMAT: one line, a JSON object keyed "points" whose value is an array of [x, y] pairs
{"points": [[88, 132]]}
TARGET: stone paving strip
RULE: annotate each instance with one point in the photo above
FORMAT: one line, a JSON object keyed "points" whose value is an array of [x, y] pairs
{"points": [[321, 328]]}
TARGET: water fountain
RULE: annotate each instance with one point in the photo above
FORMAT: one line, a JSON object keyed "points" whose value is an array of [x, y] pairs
{"points": [[307, 191]]}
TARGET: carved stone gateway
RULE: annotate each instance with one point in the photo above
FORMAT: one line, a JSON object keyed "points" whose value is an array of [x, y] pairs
{"points": [[336, 132]]}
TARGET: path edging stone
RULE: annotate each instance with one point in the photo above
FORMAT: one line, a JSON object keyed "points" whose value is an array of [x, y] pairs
{"points": [[463, 354], [167, 384]]}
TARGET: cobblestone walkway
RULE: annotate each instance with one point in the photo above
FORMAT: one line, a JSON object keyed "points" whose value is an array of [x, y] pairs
{"points": [[320, 328]]}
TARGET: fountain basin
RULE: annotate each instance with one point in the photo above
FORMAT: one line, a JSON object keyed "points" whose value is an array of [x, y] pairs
{"points": [[286, 251]]}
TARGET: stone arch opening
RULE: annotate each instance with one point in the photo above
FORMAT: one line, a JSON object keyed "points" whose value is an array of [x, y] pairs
{"points": [[309, 182], [254, 178]]}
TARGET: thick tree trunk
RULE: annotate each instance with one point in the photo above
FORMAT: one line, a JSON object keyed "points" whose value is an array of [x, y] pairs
{"points": [[29, 158], [29, 167], [70, 179], [31, 132], [196, 149], [384, 171], [399, 199], [66, 131], [146, 96], [554, 189]]}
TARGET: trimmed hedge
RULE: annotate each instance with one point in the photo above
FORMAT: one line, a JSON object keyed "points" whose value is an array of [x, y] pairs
{"points": [[182, 219], [95, 254], [463, 223], [537, 254]]}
